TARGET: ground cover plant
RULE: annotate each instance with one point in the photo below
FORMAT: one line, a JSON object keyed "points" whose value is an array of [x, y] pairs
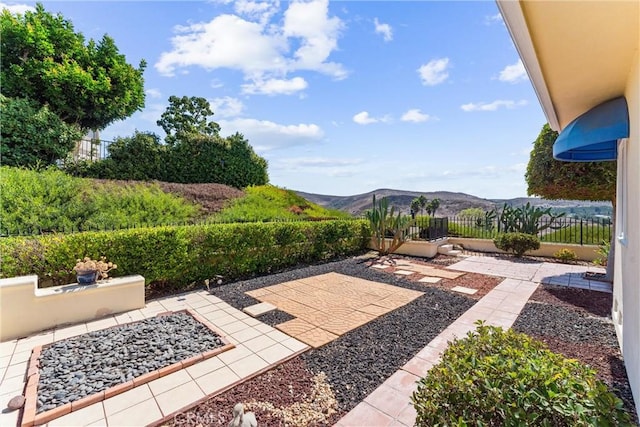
{"points": [[269, 203], [50, 200]]}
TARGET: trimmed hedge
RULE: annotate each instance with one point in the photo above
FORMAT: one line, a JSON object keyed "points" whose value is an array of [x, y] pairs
{"points": [[179, 255]]}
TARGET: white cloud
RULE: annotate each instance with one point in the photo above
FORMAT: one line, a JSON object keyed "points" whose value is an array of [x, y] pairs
{"points": [[153, 93], [275, 86], [262, 11], [256, 46], [514, 73], [216, 84], [227, 41], [363, 118], [434, 72], [307, 162], [226, 106], [17, 8], [384, 29], [494, 19], [318, 34], [493, 106], [265, 135], [416, 116]]}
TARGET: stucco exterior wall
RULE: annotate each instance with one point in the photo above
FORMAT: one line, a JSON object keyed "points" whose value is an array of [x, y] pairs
{"points": [[25, 309], [627, 267]]}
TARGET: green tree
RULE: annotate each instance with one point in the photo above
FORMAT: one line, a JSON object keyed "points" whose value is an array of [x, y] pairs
{"points": [[88, 84], [432, 206], [33, 135], [185, 116], [553, 179]]}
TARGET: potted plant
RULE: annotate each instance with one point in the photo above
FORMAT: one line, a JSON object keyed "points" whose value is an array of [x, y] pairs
{"points": [[89, 270]]}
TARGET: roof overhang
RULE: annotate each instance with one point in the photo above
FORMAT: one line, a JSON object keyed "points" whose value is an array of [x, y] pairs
{"points": [[578, 54]]}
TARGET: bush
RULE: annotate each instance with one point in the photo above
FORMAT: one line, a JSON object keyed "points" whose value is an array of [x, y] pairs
{"points": [[196, 159], [498, 378], [185, 254], [566, 255], [518, 243], [33, 136]]}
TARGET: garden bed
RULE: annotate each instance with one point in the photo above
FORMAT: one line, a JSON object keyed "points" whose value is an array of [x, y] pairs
{"points": [[577, 324], [358, 362]]}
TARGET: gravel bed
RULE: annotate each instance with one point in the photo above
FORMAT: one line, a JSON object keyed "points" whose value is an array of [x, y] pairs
{"points": [[87, 364], [579, 330], [275, 317], [359, 361]]}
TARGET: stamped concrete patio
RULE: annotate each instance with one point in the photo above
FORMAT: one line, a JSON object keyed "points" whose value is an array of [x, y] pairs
{"points": [[259, 347]]}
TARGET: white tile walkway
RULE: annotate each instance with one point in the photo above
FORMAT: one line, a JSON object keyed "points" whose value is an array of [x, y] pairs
{"points": [[258, 346], [547, 273]]}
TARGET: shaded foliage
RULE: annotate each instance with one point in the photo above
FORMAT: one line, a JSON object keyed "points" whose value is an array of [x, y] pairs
{"points": [[553, 179], [33, 135]]}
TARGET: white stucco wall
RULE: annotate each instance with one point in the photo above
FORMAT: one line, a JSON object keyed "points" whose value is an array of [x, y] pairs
{"points": [[627, 263]]}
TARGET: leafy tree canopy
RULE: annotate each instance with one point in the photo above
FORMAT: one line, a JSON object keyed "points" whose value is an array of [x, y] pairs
{"points": [[185, 116], [88, 84], [554, 179], [32, 135]]}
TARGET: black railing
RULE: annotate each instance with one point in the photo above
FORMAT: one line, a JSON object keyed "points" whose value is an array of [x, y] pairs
{"points": [[562, 230]]}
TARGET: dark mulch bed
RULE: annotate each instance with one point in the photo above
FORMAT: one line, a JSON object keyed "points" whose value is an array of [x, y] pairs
{"points": [[576, 323]]}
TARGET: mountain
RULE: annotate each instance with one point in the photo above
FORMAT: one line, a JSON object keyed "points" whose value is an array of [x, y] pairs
{"points": [[450, 203]]}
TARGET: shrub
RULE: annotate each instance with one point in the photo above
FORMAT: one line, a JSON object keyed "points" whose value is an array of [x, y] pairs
{"points": [[498, 378], [195, 159], [32, 135], [518, 243], [566, 255], [179, 255]]}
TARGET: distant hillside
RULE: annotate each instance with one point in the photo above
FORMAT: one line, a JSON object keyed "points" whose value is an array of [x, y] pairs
{"points": [[450, 203]]}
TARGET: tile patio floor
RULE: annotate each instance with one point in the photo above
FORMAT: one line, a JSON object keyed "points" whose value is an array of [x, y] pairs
{"points": [[259, 346], [329, 305]]}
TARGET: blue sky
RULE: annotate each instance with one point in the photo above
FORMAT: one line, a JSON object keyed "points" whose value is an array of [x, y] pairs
{"points": [[340, 97]]}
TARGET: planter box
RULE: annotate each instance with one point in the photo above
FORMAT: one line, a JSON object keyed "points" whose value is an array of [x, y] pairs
{"points": [[584, 252], [418, 248], [25, 309]]}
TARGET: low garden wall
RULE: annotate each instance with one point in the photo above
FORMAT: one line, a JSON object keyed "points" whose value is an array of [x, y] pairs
{"points": [[583, 252], [26, 309], [418, 248]]}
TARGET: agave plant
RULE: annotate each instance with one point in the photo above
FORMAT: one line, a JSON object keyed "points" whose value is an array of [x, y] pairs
{"points": [[385, 223]]}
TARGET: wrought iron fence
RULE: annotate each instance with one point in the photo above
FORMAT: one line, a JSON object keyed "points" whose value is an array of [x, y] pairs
{"points": [[562, 230]]}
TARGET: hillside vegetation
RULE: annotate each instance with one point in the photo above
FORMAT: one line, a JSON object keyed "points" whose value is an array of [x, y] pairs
{"points": [[51, 200], [268, 203]]}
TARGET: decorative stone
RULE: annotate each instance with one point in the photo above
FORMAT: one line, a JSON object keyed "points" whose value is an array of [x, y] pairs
{"points": [[241, 418], [16, 403]]}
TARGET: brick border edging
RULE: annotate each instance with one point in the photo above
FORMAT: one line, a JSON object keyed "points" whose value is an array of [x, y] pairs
{"points": [[191, 405], [28, 416]]}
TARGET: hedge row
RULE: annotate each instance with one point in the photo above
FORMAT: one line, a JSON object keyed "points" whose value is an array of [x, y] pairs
{"points": [[179, 255]]}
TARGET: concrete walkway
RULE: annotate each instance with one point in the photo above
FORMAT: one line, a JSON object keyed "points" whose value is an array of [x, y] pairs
{"points": [[390, 404]]}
